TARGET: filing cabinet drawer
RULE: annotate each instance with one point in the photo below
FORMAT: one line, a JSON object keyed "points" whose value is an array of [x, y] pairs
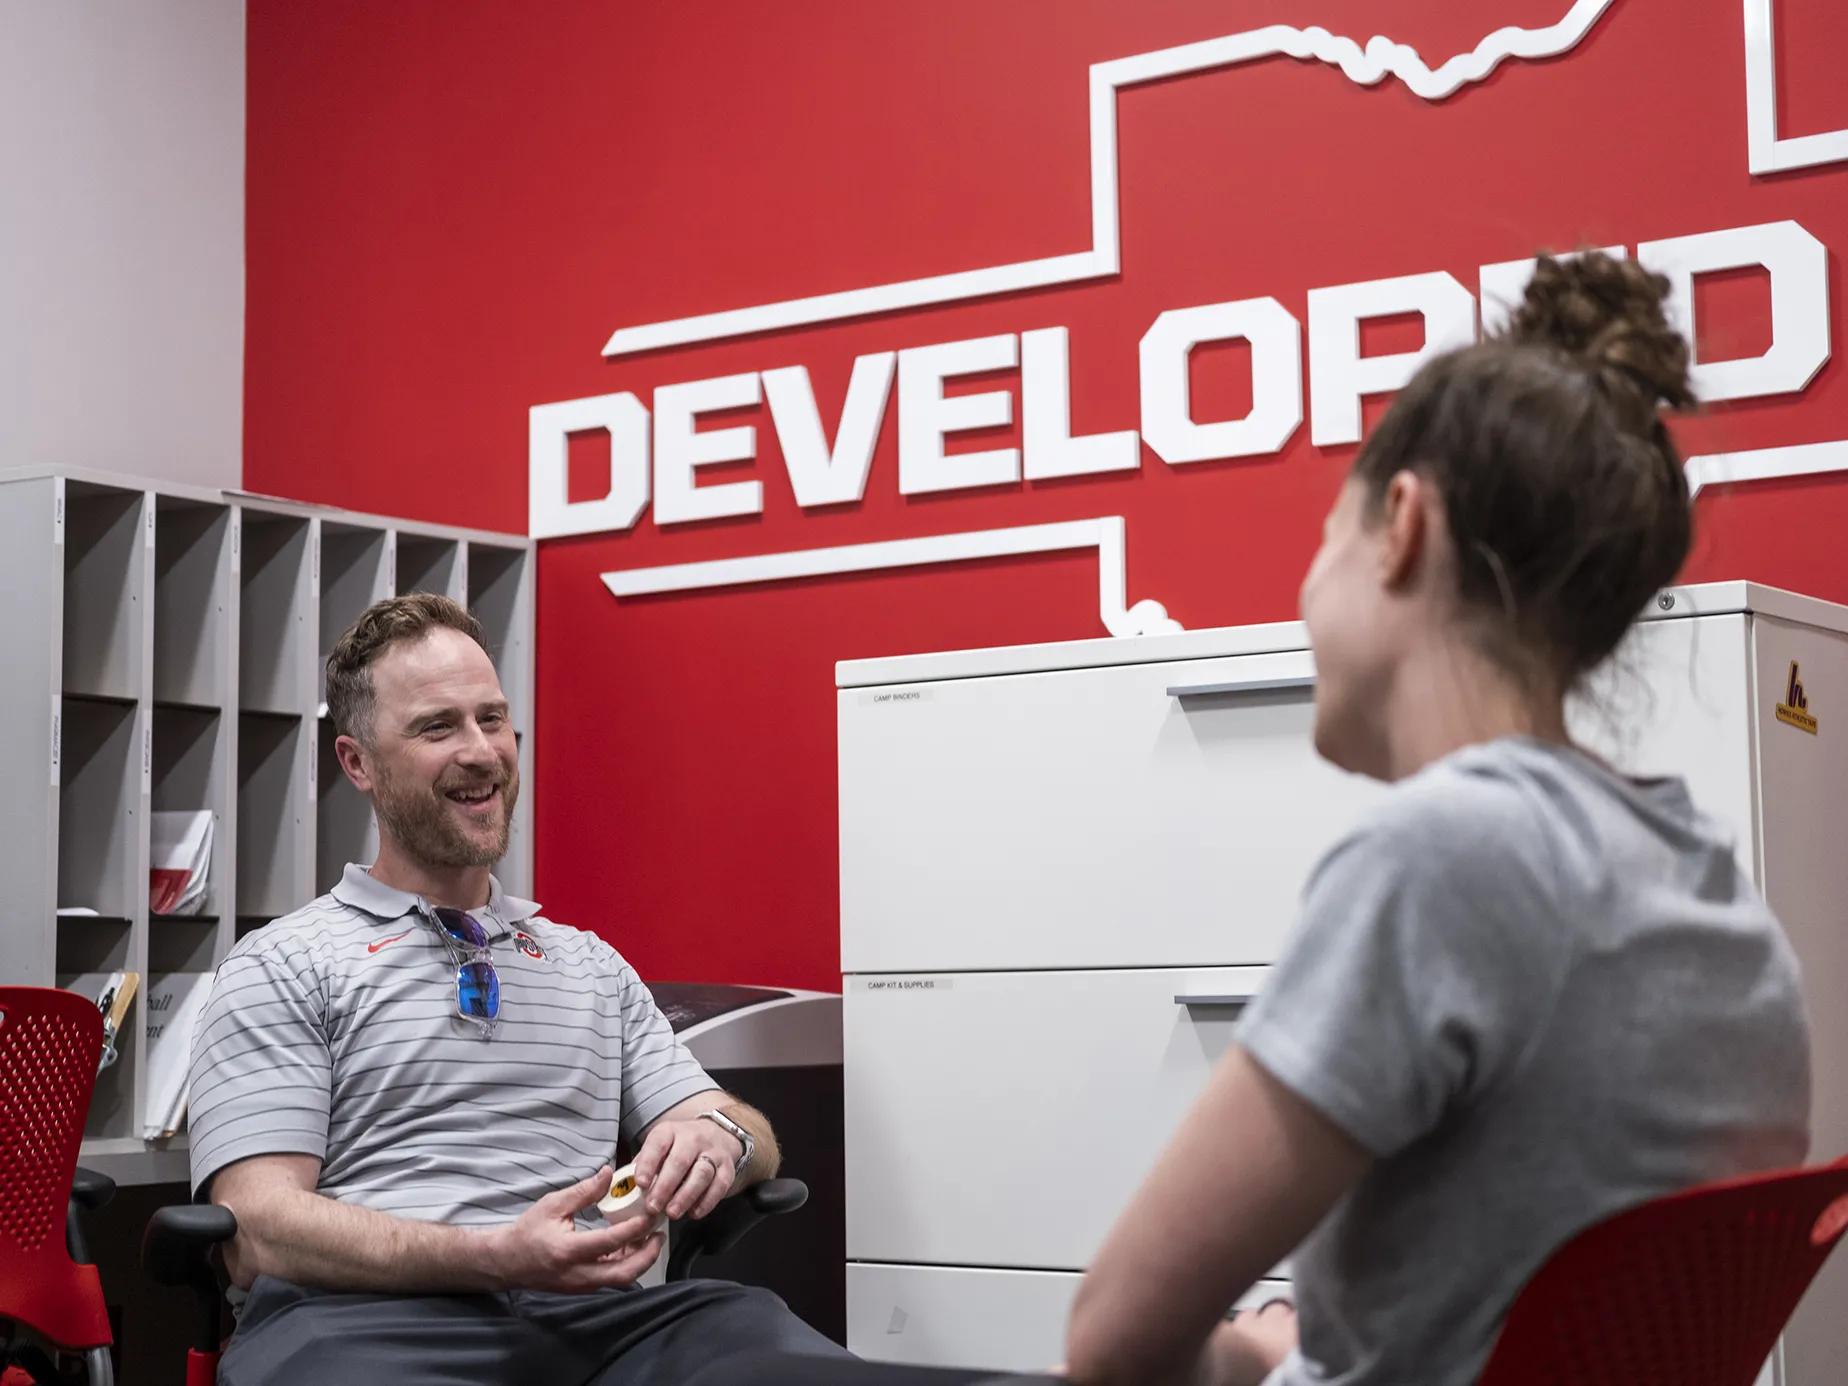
{"points": [[958, 1316], [1005, 1119], [1109, 817]]}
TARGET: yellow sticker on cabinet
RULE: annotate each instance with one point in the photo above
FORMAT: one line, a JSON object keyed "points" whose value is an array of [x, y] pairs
{"points": [[1794, 710]]}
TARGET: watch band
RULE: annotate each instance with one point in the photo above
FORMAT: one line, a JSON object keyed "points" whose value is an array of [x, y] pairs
{"points": [[726, 1124]]}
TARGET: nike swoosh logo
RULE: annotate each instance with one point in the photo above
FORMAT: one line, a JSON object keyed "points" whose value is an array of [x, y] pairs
{"points": [[374, 947]]}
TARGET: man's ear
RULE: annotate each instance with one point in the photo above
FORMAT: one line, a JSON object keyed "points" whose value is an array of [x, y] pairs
{"points": [[1405, 524], [355, 760]]}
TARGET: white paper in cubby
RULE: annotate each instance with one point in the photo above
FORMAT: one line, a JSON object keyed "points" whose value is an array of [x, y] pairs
{"points": [[180, 861]]}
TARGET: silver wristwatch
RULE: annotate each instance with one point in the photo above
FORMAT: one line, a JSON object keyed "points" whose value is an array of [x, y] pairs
{"points": [[726, 1124]]}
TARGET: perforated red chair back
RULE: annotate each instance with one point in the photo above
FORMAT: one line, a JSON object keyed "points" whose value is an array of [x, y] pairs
{"points": [[1691, 1289], [50, 1042]]}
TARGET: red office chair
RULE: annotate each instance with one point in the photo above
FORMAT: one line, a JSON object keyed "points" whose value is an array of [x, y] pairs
{"points": [[1692, 1289], [1689, 1290], [50, 1044]]}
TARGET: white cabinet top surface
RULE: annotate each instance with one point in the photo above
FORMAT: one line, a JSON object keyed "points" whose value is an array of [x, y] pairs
{"points": [[1698, 599]]}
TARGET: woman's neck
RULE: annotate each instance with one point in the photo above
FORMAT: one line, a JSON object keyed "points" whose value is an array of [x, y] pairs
{"points": [[1448, 695]]}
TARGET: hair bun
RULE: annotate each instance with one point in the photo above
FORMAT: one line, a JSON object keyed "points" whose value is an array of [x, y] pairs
{"points": [[1607, 314]]}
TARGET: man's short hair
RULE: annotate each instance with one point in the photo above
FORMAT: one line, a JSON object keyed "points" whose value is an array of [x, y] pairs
{"points": [[394, 621]]}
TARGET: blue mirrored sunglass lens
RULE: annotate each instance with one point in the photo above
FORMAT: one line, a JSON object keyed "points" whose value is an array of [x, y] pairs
{"points": [[478, 991], [464, 927]]}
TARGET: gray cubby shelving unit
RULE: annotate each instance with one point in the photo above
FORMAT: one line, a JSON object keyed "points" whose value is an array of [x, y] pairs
{"points": [[167, 653]]}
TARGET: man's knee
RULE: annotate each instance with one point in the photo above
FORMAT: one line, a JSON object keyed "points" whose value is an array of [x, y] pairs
{"points": [[747, 1304], [751, 1316]]}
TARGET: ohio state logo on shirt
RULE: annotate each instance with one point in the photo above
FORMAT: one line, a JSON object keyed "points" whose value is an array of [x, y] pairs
{"points": [[528, 945]]}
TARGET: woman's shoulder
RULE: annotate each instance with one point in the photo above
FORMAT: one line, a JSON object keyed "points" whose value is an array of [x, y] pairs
{"points": [[1496, 845], [1515, 794], [1479, 807]]}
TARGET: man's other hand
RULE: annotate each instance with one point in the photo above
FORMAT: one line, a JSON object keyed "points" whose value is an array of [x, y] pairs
{"points": [[687, 1166], [544, 1250]]}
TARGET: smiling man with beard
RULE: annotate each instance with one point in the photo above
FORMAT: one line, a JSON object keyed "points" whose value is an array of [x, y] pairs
{"points": [[411, 1090]]}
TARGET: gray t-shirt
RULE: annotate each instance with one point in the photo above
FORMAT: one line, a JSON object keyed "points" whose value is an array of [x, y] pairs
{"points": [[334, 1033], [1537, 992]]}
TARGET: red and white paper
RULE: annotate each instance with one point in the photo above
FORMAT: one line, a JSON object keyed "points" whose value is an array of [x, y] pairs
{"points": [[180, 865]]}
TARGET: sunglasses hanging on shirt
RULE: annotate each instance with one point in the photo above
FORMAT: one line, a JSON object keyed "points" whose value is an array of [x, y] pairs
{"points": [[477, 983]]}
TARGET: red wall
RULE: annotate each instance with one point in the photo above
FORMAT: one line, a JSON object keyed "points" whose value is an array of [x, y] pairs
{"points": [[452, 205]]}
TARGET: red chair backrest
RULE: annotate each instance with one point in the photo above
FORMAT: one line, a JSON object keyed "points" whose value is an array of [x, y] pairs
{"points": [[1691, 1289], [50, 1042]]}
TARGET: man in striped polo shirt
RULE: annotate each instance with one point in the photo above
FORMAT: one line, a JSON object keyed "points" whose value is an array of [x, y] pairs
{"points": [[411, 1091]]}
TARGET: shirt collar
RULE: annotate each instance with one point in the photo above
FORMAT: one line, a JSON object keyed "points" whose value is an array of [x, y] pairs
{"points": [[361, 890]]}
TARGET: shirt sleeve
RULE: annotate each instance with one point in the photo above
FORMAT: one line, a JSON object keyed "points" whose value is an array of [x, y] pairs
{"points": [[261, 1079], [657, 1070], [1426, 957]]}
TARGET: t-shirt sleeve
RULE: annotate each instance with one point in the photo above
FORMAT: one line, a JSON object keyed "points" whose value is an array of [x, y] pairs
{"points": [[261, 1079], [1425, 959], [657, 1070]]}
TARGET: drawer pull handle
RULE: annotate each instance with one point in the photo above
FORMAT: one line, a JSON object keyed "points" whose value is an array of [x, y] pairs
{"points": [[1241, 998], [1276, 685]]}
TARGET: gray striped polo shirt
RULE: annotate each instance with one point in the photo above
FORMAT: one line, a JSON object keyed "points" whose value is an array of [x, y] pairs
{"points": [[333, 1032]]}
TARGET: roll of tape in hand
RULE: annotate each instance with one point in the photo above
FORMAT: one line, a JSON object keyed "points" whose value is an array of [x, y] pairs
{"points": [[624, 1195], [624, 1200]]}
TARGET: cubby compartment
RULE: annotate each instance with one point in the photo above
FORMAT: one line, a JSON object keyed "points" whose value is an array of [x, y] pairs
{"points": [[273, 794], [497, 588], [430, 565], [105, 547], [100, 766], [344, 828], [91, 944], [275, 645], [192, 588], [356, 571], [192, 757], [90, 952], [180, 944]]}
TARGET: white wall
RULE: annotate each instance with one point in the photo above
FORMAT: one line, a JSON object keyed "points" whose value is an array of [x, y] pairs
{"points": [[122, 236]]}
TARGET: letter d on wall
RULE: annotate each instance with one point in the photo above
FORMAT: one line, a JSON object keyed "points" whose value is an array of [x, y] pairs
{"points": [[1798, 264], [549, 512]]}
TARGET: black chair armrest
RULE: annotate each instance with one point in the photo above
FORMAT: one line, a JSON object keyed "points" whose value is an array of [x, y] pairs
{"points": [[90, 1190], [177, 1250], [773, 1196], [729, 1222]]}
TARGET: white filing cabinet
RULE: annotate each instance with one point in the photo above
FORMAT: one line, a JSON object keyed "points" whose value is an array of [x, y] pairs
{"points": [[1062, 866]]}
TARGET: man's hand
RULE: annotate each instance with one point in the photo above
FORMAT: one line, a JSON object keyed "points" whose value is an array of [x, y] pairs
{"points": [[687, 1166], [544, 1250]]}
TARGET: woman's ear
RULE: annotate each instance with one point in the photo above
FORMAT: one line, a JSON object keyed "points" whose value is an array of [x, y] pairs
{"points": [[1405, 529]]}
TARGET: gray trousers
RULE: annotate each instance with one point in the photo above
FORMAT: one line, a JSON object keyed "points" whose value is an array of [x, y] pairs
{"points": [[660, 1336], [781, 1369]]}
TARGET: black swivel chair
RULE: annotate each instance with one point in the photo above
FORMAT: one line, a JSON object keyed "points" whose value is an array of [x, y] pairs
{"points": [[177, 1247]]}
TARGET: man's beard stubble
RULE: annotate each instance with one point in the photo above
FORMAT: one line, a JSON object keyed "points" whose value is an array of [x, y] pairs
{"points": [[418, 820]]}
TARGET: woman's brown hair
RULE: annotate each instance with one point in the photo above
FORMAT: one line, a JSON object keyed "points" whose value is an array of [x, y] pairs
{"points": [[1563, 491]]}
